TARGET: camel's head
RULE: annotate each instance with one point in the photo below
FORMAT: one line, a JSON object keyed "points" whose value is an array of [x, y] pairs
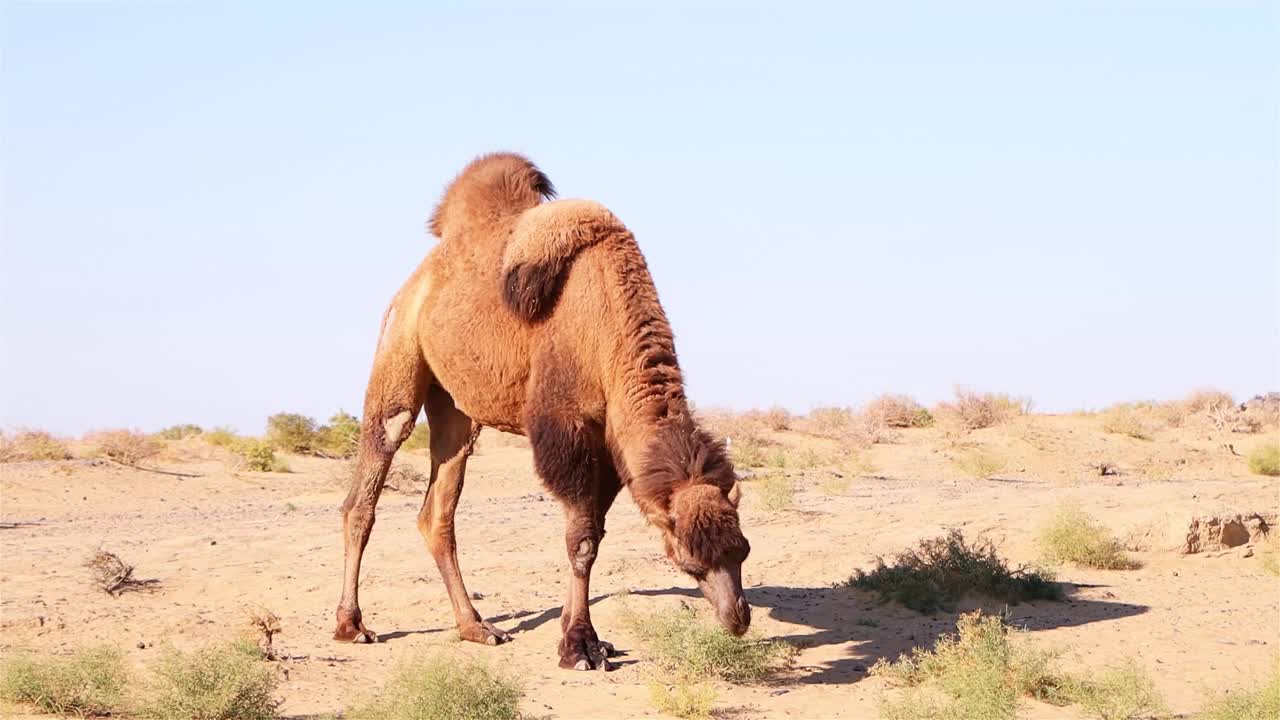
{"points": [[705, 541]]}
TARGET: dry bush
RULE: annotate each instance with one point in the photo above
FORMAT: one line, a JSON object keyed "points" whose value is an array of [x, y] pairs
{"points": [[979, 673], [941, 571], [27, 445], [108, 572], [1262, 701], [776, 418], [899, 411], [91, 682], [1124, 420], [981, 464], [692, 650], [444, 688], [1073, 536], [1265, 460], [1121, 693], [828, 422], [127, 447], [1206, 400], [263, 627], [975, 411], [401, 476], [683, 699], [222, 682]]}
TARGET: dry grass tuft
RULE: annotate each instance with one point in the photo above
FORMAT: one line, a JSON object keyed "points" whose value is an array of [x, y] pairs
{"points": [[683, 699], [898, 411], [692, 650], [444, 688], [775, 490], [1124, 420], [28, 445], [976, 674], [981, 464], [263, 627], [1265, 460], [975, 411], [108, 572], [941, 571], [222, 682], [828, 422], [89, 683], [1122, 693], [1073, 536], [127, 447], [1262, 701]]}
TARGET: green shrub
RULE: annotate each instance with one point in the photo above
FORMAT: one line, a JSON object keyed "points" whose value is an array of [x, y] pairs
{"points": [[258, 456], [1262, 701], [220, 437], [1265, 460], [222, 682], [776, 491], [90, 682], [981, 464], [444, 688], [975, 674], [683, 699], [1073, 536], [340, 438], [1123, 693], [419, 439], [941, 571], [27, 445], [683, 645], [180, 432], [1124, 420], [292, 432]]}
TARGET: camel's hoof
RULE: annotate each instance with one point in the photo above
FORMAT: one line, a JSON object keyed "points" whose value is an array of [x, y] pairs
{"points": [[358, 635], [589, 655], [485, 633]]}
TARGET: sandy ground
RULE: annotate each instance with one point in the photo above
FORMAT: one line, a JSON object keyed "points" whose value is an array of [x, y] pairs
{"points": [[221, 543]]}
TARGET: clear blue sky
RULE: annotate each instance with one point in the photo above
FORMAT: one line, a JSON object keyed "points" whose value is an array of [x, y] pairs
{"points": [[206, 207]]}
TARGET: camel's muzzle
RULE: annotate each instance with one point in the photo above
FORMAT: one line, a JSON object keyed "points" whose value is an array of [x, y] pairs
{"points": [[723, 589]]}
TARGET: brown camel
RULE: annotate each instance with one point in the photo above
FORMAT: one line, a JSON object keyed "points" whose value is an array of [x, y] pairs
{"points": [[541, 318]]}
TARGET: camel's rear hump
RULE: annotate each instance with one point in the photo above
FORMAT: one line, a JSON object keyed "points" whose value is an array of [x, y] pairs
{"points": [[490, 188], [544, 243]]}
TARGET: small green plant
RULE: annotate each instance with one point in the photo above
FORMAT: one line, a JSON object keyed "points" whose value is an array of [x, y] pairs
{"points": [[683, 645], [942, 570], [90, 682], [221, 682], [776, 491], [180, 432], [981, 464], [1124, 420], [340, 438], [28, 445], [258, 456], [747, 453], [1075, 537], [292, 432], [220, 437], [1265, 460], [1122, 693], [1262, 701], [419, 439], [978, 673], [683, 699], [444, 688]]}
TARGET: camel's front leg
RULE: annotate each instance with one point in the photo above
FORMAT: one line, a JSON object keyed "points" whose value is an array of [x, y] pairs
{"points": [[580, 647]]}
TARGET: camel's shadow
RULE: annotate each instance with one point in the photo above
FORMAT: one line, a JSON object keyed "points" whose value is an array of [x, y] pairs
{"points": [[869, 630]]}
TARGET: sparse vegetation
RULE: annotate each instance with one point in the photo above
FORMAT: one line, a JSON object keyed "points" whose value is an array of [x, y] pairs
{"points": [[1265, 460], [976, 674], [220, 437], [263, 627], [1262, 701], [975, 411], [835, 485], [419, 439], [1075, 537], [683, 699], [291, 432], [747, 453], [1269, 556], [899, 411], [222, 682], [828, 422], [942, 570], [258, 456], [1206, 400], [1124, 420], [108, 572], [683, 645], [1122, 693], [776, 491], [28, 445], [127, 447], [180, 432], [444, 688], [90, 682], [776, 419], [981, 464], [340, 438]]}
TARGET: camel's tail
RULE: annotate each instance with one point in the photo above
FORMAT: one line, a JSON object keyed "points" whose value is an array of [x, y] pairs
{"points": [[492, 187], [546, 239]]}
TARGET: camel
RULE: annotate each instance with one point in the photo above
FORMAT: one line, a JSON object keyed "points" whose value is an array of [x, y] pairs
{"points": [[539, 317]]}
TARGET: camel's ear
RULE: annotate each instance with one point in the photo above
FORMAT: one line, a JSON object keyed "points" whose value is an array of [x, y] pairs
{"points": [[735, 493]]}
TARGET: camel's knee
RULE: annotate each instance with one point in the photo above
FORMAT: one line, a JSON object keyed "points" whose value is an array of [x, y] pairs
{"points": [[583, 547], [396, 429], [440, 538]]}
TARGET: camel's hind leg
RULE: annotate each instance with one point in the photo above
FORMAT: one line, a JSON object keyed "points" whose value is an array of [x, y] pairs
{"points": [[394, 397], [453, 436]]}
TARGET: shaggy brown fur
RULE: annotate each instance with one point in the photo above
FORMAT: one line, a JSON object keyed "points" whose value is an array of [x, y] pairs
{"points": [[541, 319]]}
